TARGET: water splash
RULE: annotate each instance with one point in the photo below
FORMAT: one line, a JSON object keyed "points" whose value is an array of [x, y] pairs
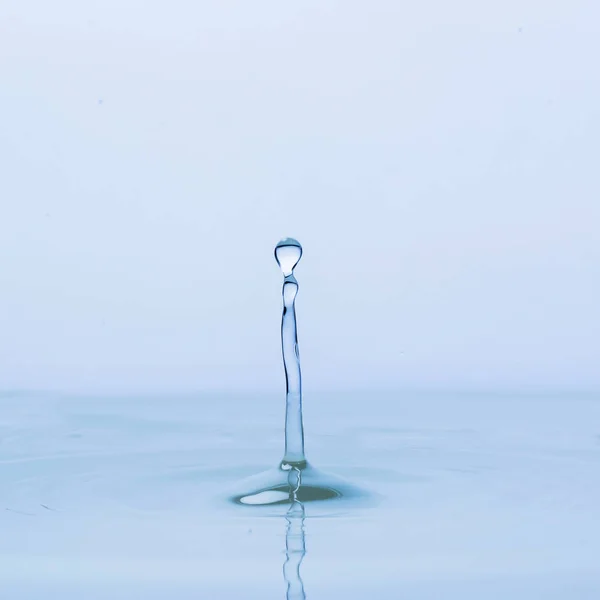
{"points": [[274, 486]]}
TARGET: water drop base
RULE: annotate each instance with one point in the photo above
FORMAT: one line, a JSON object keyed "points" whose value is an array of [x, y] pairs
{"points": [[271, 487]]}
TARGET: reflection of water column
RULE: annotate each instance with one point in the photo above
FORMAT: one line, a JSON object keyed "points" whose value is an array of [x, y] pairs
{"points": [[295, 546], [287, 253]]}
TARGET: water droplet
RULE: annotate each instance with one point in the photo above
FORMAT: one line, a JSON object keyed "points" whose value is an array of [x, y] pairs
{"points": [[287, 254]]}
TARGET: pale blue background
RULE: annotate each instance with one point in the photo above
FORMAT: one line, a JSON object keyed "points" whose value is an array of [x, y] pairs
{"points": [[438, 161]]}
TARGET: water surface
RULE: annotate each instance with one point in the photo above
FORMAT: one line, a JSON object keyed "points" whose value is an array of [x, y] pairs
{"points": [[477, 496]]}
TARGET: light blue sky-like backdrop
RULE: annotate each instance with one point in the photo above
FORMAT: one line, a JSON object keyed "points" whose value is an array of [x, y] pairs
{"points": [[439, 162]]}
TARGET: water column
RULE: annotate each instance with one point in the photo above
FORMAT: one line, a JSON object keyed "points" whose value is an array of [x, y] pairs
{"points": [[288, 253]]}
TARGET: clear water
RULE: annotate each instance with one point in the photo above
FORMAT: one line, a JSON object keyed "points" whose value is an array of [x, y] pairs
{"points": [[275, 486], [288, 253], [479, 496]]}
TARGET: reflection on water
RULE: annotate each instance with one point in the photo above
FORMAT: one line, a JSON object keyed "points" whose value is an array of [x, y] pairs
{"points": [[295, 549], [295, 544]]}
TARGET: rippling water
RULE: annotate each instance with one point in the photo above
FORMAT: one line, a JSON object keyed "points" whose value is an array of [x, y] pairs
{"points": [[470, 496]]}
